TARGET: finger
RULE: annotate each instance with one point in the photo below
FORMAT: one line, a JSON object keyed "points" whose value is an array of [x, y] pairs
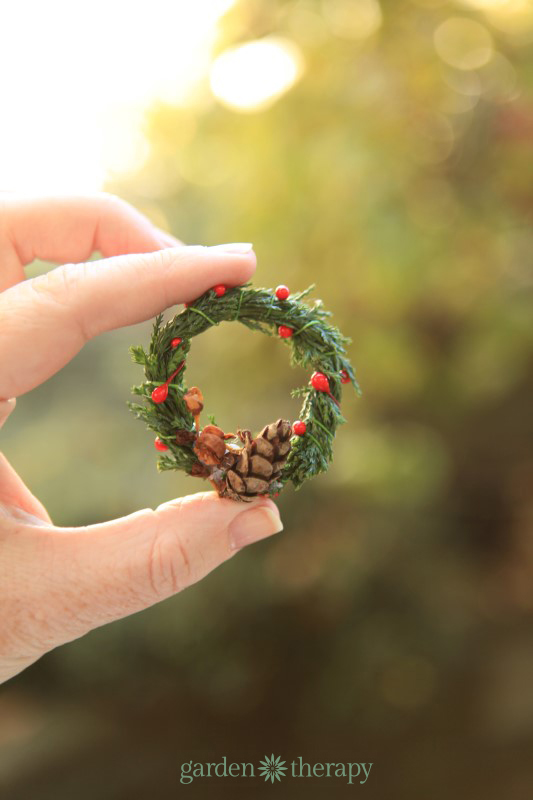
{"points": [[70, 228], [45, 321], [15, 493], [80, 579]]}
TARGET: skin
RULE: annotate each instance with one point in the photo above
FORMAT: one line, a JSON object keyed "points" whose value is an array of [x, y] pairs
{"points": [[56, 584]]}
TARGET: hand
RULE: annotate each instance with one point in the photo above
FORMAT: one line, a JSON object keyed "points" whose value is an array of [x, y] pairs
{"points": [[58, 583]]}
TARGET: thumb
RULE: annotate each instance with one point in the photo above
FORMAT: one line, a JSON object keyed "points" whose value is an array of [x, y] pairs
{"points": [[74, 580]]}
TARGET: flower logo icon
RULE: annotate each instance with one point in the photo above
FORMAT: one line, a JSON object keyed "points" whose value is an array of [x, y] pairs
{"points": [[272, 768]]}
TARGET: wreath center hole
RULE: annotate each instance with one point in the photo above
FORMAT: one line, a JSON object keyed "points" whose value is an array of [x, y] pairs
{"points": [[244, 376]]}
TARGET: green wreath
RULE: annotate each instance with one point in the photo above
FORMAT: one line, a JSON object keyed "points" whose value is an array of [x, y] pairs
{"points": [[239, 465]]}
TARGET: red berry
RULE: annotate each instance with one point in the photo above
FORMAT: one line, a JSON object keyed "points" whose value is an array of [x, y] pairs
{"points": [[299, 428], [320, 382], [159, 445], [345, 378], [282, 292], [176, 342], [276, 494], [219, 290], [285, 332], [160, 393]]}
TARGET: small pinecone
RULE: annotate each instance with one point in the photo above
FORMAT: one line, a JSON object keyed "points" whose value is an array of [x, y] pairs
{"points": [[260, 461]]}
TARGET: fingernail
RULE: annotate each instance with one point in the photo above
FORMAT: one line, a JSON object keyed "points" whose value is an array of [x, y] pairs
{"points": [[253, 525], [234, 247], [14, 512], [6, 407], [10, 403]]}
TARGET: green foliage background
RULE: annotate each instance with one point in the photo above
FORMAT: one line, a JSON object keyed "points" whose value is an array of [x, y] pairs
{"points": [[392, 620]]}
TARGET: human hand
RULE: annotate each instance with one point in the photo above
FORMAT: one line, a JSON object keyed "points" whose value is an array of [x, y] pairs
{"points": [[58, 583]]}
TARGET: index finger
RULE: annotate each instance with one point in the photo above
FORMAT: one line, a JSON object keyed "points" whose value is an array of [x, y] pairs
{"points": [[45, 321]]}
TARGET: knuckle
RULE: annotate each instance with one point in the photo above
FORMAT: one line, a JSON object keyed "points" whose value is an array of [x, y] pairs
{"points": [[62, 287], [112, 205], [169, 565], [28, 628], [58, 285], [153, 269], [146, 268], [158, 260]]}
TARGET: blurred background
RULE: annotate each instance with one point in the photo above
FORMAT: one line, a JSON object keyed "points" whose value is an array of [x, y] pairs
{"points": [[383, 151]]}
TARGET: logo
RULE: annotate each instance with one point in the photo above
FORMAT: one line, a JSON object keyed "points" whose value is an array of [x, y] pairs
{"points": [[272, 769]]}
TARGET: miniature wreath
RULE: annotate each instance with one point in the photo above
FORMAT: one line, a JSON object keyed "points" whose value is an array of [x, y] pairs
{"points": [[239, 465]]}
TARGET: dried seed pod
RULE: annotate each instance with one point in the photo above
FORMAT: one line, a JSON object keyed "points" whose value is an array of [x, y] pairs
{"points": [[209, 448], [199, 470], [185, 438], [194, 400], [214, 429]]}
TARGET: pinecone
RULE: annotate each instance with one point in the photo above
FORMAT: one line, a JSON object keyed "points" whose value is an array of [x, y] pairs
{"points": [[260, 461]]}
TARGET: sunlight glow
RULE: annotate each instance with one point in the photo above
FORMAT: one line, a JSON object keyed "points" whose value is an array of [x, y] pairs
{"points": [[74, 80], [252, 76]]}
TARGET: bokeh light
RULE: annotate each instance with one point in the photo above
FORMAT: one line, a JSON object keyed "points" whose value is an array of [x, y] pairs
{"points": [[463, 43], [514, 17], [254, 75]]}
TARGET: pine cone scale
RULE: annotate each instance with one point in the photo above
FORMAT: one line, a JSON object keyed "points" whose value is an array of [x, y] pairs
{"points": [[264, 447], [256, 485], [261, 466], [236, 482]]}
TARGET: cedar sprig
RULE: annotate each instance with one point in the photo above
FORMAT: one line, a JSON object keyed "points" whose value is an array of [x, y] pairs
{"points": [[316, 345]]}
